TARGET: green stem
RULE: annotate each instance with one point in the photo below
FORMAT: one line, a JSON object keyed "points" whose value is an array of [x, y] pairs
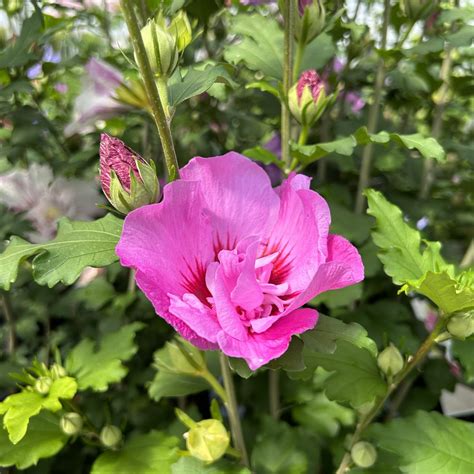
{"points": [[303, 135], [156, 107], [367, 418], [288, 13], [274, 393], [232, 410], [216, 386], [405, 35], [162, 84], [364, 176], [298, 59], [131, 286]]}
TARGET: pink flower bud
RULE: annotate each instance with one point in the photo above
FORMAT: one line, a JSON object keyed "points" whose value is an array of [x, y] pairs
{"points": [[116, 156], [302, 4], [311, 80]]}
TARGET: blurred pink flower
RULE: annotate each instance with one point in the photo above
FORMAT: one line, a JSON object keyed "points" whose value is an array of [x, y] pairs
{"points": [[229, 262], [97, 98], [354, 101], [45, 199]]}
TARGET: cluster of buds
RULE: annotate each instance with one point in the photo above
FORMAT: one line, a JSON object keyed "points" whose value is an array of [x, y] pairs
{"points": [[307, 98], [128, 180], [418, 9], [310, 20], [164, 42]]}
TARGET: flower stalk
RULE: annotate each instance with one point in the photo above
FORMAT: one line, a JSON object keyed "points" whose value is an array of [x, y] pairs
{"points": [[156, 106], [232, 409], [364, 175], [368, 417]]}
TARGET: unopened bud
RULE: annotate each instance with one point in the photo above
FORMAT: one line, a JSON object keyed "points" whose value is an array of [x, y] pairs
{"points": [[310, 21], [208, 440], [128, 181], [181, 29], [110, 436], [461, 325], [42, 385], [418, 9], [57, 371], [307, 98], [363, 454], [71, 423], [390, 361]]}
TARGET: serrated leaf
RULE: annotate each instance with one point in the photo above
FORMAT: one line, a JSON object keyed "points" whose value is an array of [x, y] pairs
{"points": [[355, 379], [20, 407], [428, 442], [444, 291], [96, 369], [261, 46], [308, 154], [264, 156], [76, 246], [142, 454], [190, 465], [43, 440], [196, 81], [400, 244]]}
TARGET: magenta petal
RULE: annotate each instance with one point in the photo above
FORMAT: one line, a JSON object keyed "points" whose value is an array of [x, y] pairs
{"points": [[297, 322], [238, 194]]}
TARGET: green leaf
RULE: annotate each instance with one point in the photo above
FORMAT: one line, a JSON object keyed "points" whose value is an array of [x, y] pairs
{"points": [[96, 369], [355, 379], [354, 227], [428, 442], [77, 245], [444, 291], [400, 244], [339, 298], [261, 46], [265, 87], [142, 454], [20, 407], [240, 367], [196, 81], [175, 385], [263, 156], [308, 154], [190, 465], [43, 440], [318, 53], [292, 360], [463, 351]]}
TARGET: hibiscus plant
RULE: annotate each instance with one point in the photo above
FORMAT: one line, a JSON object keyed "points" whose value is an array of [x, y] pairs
{"points": [[260, 285]]}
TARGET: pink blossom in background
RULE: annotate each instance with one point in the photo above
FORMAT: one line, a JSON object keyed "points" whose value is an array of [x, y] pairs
{"points": [[61, 87], [45, 199], [229, 262], [97, 98], [354, 101]]}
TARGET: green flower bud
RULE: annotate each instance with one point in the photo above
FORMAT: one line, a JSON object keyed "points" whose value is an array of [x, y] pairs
{"points": [[57, 371], [461, 325], [71, 423], [363, 454], [310, 21], [110, 436], [418, 9], [42, 385], [181, 29], [390, 361], [208, 440]]}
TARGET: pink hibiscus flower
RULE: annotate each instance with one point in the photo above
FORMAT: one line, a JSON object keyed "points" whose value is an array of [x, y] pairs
{"points": [[229, 262]]}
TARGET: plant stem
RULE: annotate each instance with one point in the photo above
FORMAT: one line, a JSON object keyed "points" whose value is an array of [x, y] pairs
{"points": [[367, 418], [428, 165], [303, 135], [298, 59], [232, 409], [10, 323], [156, 107], [132, 285], [274, 393], [468, 258], [216, 386], [288, 13], [364, 176], [405, 35]]}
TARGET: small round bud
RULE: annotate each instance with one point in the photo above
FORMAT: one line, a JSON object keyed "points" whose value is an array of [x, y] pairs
{"points": [[208, 440], [42, 385], [110, 436], [363, 454], [390, 361], [71, 423], [57, 371], [461, 325]]}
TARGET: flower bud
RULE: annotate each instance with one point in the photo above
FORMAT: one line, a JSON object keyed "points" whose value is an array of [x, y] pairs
{"points": [[390, 361], [181, 29], [42, 385], [307, 98], [57, 371], [110, 436], [208, 440], [418, 9], [310, 21], [461, 325], [71, 423], [363, 454], [127, 179]]}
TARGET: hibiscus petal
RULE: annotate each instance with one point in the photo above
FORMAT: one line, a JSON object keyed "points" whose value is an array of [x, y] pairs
{"points": [[238, 194]]}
